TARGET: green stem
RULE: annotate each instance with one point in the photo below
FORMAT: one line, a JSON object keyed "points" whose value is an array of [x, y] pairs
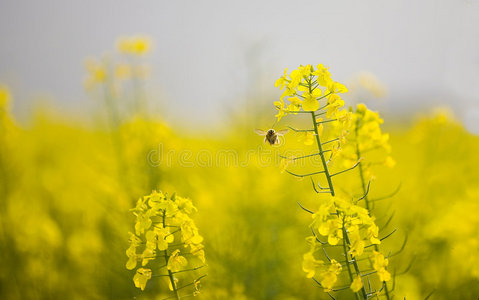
{"points": [[170, 274], [355, 263], [321, 154], [366, 194], [331, 188], [347, 260]]}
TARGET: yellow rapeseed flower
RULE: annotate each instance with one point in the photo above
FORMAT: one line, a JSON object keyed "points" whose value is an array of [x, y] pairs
{"points": [[310, 102], [176, 262], [329, 277], [141, 278], [96, 73], [5, 96], [357, 284], [310, 264], [135, 45], [379, 264]]}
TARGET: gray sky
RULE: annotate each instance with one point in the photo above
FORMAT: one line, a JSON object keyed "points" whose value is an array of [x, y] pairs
{"points": [[423, 51]]}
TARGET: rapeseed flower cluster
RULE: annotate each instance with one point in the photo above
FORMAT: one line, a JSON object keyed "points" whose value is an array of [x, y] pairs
{"points": [[305, 87], [336, 217], [134, 45], [366, 137], [340, 219], [110, 74], [164, 232]]}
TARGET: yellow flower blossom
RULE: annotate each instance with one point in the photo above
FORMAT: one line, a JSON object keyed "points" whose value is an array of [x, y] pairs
{"points": [[329, 277], [147, 255], [282, 111], [143, 223], [344, 118], [357, 243], [160, 220], [332, 229], [176, 262], [135, 45], [389, 162], [296, 78], [96, 73], [305, 70], [310, 102], [141, 278], [310, 264], [384, 275], [295, 104], [306, 137], [5, 97], [379, 264], [336, 87], [373, 233], [357, 284], [323, 75], [283, 80], [334, 103]]}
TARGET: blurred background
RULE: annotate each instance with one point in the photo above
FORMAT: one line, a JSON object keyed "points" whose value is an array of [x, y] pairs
{"points": [[81, 113], [208, 55]]}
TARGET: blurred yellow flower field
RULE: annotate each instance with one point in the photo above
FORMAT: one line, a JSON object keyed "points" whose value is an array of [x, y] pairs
{"points": [[71, 194]]}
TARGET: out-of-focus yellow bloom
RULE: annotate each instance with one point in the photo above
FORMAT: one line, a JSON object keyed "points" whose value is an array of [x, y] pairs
{"points": [[357, 243], [147, 255], [5, 97], [141, 278], [135, 45], [320, 126], [329, 277], [364, 129], [306, 137], [344, 118], [96, 73], [176, 262], [357, 284], [369, 83], [123, 71], [379, 264], [389, 162], [131, 252], [143, 222], [282, 111], [310, 264], [373, 234], [334, 104], [159, 218]]}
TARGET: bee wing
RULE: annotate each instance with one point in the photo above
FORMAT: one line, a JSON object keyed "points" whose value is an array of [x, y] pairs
{"points": [[260, 132], [282, 132]]}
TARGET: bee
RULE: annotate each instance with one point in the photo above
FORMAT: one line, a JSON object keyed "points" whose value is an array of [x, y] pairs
{"points": [[271, 136]]}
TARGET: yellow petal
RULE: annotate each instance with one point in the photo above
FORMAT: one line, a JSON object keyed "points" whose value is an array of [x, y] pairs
{"points": [[357, 284], [310, 104]]}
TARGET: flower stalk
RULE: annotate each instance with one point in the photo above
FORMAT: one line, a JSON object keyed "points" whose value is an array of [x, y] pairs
{"points": [[162, 220], [338, 217]]}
